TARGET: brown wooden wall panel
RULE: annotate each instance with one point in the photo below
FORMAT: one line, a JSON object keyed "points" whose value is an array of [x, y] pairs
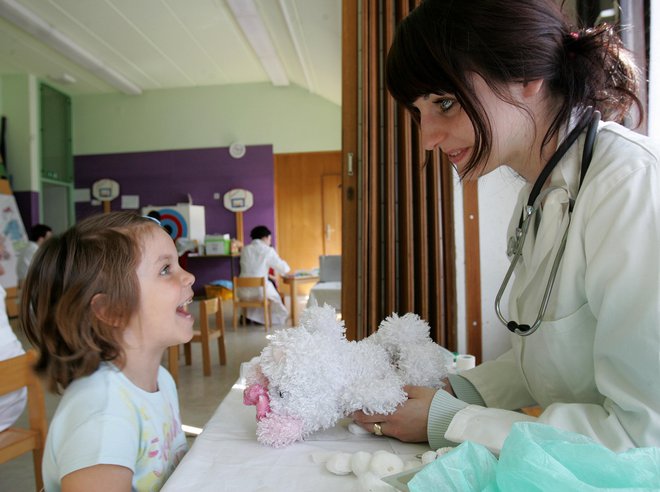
{"points": [[299, 205], [401, 219], [472, 268], [349, 145]]}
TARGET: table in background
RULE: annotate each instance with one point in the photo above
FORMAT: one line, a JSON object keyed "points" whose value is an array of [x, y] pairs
{"points": [[292, 281], [227, 457]]}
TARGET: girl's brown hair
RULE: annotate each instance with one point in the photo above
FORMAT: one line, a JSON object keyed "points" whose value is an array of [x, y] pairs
{"points": [[61, 314], [441, 42]]}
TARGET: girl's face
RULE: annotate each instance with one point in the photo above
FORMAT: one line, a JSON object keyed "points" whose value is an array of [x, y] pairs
{"points": [[162, 318], [444, 125]]}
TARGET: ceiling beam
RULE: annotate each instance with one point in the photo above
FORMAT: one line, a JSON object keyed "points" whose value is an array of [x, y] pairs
{"points": [[249, 19], [28, 21], [297, 44]]}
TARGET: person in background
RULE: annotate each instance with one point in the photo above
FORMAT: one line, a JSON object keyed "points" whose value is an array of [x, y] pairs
{"points": [[38, 234], [101, 303], [12, 404], [257, 258], [511, 83]]}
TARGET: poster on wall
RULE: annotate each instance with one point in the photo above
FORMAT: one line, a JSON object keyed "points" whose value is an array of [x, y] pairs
{"points": [[13, 238]]}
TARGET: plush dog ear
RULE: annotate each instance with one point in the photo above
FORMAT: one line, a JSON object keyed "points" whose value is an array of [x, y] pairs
{"points": [[322, 320]]}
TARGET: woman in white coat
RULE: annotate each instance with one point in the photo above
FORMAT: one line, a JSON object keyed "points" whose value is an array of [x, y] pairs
{"points": [[505, 83], [257, 258], [12, 404]]}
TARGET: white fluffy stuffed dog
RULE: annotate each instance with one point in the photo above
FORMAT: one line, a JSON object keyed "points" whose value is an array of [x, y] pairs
{"points": [[309, 377]]}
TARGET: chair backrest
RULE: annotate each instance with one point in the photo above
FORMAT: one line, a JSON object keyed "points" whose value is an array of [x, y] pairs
{"points": [[330, 268], [240, 282], [208, 307], [16, 373], [258, 300]]}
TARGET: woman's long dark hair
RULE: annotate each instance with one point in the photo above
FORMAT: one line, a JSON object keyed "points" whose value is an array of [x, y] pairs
{"points": [[441, 42]]}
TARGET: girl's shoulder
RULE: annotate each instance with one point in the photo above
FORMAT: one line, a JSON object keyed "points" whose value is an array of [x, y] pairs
{"points": [[98, 388], [109, 392]]}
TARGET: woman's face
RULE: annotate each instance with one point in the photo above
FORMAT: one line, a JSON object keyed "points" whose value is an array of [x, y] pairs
{"points": [[446, 126]]}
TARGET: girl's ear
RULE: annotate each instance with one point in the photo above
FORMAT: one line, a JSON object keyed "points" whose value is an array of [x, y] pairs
{"points": [[99, 306]]}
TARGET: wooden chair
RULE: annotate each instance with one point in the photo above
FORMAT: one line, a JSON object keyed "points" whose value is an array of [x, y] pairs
{"points": [[205, 334], [258, 302], [16, 373]]}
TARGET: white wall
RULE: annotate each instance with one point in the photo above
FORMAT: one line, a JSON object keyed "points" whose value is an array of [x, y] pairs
{"points": [[498, 192], [654, 72]]}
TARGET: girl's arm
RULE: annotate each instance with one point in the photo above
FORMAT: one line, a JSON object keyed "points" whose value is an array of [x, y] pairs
{"points": [[110, 478]]}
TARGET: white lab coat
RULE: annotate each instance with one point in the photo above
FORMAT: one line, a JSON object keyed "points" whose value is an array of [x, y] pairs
{"points": [[24, 260], [256, 259], [12, 404], [594, 363]]}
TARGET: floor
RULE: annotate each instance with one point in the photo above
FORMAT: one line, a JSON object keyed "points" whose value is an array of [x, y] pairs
{"points": [[199, 396]]}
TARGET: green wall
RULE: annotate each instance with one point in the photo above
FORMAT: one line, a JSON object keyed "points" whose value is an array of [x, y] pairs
{"points": [[289, 118], [19, 103]]}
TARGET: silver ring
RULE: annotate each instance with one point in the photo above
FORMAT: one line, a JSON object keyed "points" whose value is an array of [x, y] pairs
{"points": [[378, 430]]}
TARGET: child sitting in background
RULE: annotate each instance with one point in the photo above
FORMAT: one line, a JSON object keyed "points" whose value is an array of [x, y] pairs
{"points": [[102, 302]]}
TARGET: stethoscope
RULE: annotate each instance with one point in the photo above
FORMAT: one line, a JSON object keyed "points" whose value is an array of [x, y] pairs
{"points": [[589, 120]]}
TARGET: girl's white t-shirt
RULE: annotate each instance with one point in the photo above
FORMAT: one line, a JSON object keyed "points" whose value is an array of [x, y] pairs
{"points": [[105, 419]]}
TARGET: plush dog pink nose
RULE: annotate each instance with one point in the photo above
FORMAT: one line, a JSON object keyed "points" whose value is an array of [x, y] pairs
{"points": [[252, 393], [256, 394], [263, 406]]}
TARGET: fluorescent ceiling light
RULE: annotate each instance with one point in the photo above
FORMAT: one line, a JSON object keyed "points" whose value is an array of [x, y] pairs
{"points": [[248, 18], [296, 44], [44, 32]]}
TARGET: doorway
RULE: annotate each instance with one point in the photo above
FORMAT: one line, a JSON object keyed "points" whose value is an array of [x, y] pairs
{"points": [[56, 206], [331, 205], [307, 208]]}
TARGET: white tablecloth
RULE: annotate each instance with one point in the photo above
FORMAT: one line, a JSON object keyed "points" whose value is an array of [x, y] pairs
{"points": [[227, 457], [326, 293]]}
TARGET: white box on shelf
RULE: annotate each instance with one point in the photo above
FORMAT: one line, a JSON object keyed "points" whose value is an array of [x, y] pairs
{"points": [[185, 220]]}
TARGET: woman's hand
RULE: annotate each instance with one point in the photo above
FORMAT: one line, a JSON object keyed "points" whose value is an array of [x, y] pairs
{"points": [[408, 422]]}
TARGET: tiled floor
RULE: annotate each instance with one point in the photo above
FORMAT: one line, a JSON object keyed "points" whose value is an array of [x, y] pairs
{"points": [[199, 396]]}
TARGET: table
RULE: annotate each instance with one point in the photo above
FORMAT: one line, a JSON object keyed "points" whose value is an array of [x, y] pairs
{"points": [[227, 457], [326, 293], [292, 281]]}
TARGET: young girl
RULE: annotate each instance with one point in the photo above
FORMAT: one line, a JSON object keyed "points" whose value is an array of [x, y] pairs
{"points": [[102, 302], [511, 83]]}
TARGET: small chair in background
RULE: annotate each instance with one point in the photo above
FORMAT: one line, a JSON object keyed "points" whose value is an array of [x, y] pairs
{"points": [[259, 300], [205, 334], [16, 373]]}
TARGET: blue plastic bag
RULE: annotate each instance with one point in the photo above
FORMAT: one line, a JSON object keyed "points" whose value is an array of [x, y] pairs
{"points": [[468, 468], [537, 457]]}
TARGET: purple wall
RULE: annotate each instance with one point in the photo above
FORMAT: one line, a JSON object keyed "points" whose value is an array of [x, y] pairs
{"points": [[28, 206], [167, 177]]}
